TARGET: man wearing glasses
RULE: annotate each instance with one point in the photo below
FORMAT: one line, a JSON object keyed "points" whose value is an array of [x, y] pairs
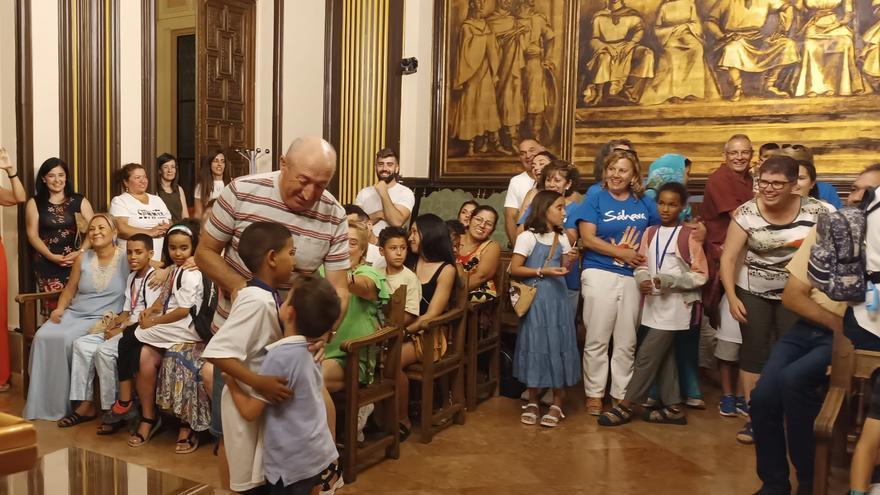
{"points": [[727, 188]]}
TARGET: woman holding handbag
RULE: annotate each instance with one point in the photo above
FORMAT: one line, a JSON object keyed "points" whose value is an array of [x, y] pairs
{"points": [[546, 348]]}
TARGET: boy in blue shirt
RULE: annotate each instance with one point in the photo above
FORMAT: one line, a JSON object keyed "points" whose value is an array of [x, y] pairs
{"points": [[297, 445]]}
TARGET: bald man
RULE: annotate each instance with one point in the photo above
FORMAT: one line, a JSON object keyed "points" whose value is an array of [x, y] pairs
{"points": [[519, 186], [295, 196]]}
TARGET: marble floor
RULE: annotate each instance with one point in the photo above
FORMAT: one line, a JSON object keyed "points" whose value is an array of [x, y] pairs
{"points": [[494, 454]]}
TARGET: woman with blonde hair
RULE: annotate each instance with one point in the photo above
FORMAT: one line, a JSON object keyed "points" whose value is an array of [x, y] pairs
{"points": [[96, 286], [610, 223]]}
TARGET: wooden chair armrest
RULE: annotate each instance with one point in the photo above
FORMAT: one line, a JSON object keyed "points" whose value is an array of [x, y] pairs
{"points": [[443, 319], [36, 296], [824, 424], [355, 345]]}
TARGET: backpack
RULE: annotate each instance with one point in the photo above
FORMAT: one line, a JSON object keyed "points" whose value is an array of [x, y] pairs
{"points": [[837, 265], [202, 318]]}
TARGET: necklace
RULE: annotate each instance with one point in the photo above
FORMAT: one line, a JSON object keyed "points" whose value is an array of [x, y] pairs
{"points": [[101, 274]]}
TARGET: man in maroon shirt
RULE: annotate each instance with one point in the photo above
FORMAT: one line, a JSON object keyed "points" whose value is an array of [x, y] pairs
{"points": [[726, 189]]}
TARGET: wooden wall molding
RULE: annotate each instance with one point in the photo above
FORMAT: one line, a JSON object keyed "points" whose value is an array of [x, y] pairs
{"points": [[364, 43], [24, 116], [277, 83], [89, 95], [148, 88]]}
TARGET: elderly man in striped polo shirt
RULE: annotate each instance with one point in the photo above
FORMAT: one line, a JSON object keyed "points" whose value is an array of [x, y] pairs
{"points": [[294, 196]]}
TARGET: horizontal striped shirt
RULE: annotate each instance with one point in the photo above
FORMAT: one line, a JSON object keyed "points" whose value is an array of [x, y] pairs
{"points": [[320, 234]]}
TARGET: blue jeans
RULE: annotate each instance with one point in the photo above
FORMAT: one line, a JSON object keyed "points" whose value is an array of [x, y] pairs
{"points": [[786, 401]]}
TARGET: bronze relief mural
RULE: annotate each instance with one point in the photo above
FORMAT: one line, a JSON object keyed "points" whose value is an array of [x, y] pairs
{"points": [[671, 75], [504, 67]]}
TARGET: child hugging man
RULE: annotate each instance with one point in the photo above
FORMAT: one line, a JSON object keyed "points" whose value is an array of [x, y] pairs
{"points": [[675, 268], [239, 347], [393, 246], [297, 445]]}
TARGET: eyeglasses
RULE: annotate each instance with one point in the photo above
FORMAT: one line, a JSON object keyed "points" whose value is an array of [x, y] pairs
{"points": [[738, 153], [776, 185], [482, 221], [798, 147]]}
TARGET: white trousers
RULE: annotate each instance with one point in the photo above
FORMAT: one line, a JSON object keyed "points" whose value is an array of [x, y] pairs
{"points": [[611, 309], [93, 355]]}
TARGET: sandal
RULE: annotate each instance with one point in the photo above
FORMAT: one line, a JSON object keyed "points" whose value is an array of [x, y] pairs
{"points": [[156, 424], [74, 419], [616, 416], [551, 421], [668, 415], [191, 443], [328, 486], [528, 417], [404, 432], [109, 428]]}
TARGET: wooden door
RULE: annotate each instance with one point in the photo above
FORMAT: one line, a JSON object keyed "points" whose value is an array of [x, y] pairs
{"points": [[225, 110]]}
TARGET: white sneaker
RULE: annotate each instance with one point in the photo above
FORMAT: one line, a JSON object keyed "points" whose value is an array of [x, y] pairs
{"points": [[363, 415], [649, 403]]}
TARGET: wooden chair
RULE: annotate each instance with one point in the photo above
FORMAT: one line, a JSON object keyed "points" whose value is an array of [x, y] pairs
{"points": [[30, 305], [449, 370], [385, 345], [840, 420], [484, 341]]}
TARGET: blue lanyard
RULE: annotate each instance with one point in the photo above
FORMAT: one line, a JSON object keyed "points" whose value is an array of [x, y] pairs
{"points": [[658, 258], [255, 282]]}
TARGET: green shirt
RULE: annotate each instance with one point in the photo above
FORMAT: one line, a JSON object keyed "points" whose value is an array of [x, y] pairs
{"points": [[361, 320]]}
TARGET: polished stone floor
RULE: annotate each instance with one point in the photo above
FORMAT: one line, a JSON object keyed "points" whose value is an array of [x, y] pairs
{"points": [[494, 454]]}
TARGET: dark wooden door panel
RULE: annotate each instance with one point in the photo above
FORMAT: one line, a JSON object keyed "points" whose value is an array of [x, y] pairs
{"points": [[226, 79]]}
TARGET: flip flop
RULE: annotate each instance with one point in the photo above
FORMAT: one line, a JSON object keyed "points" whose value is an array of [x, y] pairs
{"points": [[74, 419]]}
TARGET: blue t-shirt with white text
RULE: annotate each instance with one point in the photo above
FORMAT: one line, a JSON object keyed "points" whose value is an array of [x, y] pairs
{"points": [[611, 217]]}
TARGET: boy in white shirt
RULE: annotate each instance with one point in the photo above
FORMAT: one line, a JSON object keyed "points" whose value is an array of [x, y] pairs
{"points": [[297, 444], [239, 346], [393, 246], [670, 278]]}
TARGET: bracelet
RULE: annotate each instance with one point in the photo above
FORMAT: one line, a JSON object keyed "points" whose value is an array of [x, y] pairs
{"points": [[350, 278], [13, 175], [540, 275]]}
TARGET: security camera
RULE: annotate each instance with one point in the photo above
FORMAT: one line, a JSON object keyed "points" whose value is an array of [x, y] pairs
{"points": [[409, 65]]}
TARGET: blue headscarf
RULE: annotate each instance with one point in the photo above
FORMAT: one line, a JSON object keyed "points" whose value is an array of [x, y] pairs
{"points": [[668, 168]]}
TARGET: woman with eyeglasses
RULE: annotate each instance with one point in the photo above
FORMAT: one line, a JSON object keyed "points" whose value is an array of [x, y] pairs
{"points": [[765, 232], [479, 254]]}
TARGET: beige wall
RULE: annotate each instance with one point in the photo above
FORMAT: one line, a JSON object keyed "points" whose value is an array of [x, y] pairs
{"points": [[303, 68], [415, 114], [9, 216]]}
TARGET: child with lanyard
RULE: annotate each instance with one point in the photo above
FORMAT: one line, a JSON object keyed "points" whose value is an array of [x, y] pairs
{"points": [[239, 347], [94, 355], [670, 277]]}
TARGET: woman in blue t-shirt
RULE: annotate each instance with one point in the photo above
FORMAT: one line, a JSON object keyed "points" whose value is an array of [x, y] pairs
{"points": [[610, 224]]}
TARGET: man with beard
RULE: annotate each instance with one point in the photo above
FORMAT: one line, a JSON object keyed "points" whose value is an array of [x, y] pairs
{"points": [[387, 202]]}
